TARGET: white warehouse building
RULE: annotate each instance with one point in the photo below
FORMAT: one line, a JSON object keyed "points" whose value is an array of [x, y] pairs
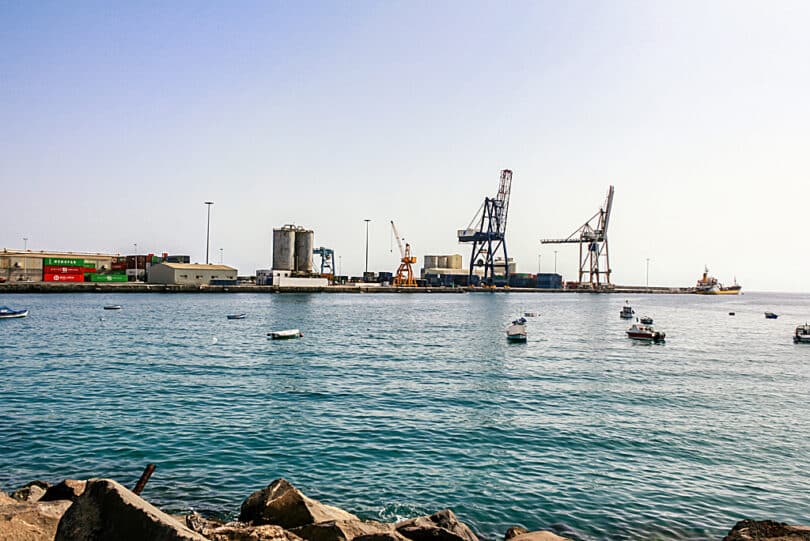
{"points": [[189, 273]]}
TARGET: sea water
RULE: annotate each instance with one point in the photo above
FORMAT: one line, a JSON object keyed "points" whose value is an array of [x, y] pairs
{"points": [[397, 405]]}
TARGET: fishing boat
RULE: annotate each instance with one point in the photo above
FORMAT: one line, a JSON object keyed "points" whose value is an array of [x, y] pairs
{"points": [[802, 335], [627, 311], [285, 335], [646, 320], [516, 332], [236, 316], [708, 285], [113, 307], [771, 315], [8, 313], [639, 331]]}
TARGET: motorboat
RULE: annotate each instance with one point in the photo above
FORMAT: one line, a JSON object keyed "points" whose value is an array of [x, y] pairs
{"points": [[771, 315], [646, 320], [113, 307], [8, 313], [236, 316], [285, 335], [627, 311], [516, 332], [639, 331], [802, 335]]}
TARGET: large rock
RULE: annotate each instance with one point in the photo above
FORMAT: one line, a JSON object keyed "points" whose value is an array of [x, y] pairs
{"points": [[69, 489], [246, 532], [767, 530], [5, 499], [107, 510], [30, 492], [341, 530], [441, 526], [30, 521], [516, 533], [284, 505], [391, 535]]}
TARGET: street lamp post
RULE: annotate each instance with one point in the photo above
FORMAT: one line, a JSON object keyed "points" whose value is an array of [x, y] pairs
{"points": [[135, 244], [208, 231], [367, 221], [221, 256], [555, 261], [539, 263], [340, 265], [648, 272], [25, 259]]}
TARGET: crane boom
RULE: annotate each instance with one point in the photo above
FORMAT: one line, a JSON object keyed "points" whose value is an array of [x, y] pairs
{"points": [[399, 240]]}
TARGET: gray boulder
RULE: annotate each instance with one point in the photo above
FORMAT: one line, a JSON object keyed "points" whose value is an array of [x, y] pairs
{"points": [[341, 530], [767, 530], [29, 521], [69, 489], [521, 534], [282, 504], [441, 526], [106, 510], [235, 531], [31, 492]]}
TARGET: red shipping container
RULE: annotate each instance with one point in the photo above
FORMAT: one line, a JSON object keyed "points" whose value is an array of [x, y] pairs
{"points": [[49, 277], [50, 269], [119, 266]]}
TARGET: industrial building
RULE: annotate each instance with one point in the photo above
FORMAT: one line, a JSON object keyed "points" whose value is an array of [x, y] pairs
{"points": [[293, 248], [191, 274]]}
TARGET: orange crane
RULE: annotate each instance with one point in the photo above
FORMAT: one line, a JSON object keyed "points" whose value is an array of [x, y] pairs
{"points": [[404, 276]]}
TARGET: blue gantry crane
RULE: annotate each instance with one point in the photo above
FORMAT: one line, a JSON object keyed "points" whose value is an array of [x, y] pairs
{"points": [[487, 233], [327, 260]]}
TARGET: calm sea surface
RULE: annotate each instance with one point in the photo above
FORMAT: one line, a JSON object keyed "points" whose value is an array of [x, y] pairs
{"points": [[398, 405]]}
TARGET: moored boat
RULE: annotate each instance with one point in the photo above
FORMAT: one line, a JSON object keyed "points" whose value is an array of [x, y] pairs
{"points": [[113, 307], [802, 334], [627, 311], [708, 285], [8, 313], [516, 332], [771, 315], [646, 320], [236, 316], [639, 331], [286, 334]]}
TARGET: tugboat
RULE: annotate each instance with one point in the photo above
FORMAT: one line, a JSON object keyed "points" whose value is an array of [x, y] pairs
{"points": [[639, 331], [802, 335], [627, 311], [708, 285], [516, 332]]}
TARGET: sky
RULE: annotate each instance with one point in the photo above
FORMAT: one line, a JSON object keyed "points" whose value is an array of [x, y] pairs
{"points": [[119, 119]]}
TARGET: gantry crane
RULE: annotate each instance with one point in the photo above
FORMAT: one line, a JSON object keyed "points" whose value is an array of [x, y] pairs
{"points": [[594, 260], [404, 276], [487, 232], [327, 260]]}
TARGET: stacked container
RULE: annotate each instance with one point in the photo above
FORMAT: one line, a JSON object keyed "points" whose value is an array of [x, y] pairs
{"points": [[66, 269]]}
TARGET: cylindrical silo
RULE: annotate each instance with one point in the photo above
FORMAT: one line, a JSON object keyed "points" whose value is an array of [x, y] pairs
{"points": [[431, 261], [454, 261], [443, 262], [284, 248], [304, 242]]}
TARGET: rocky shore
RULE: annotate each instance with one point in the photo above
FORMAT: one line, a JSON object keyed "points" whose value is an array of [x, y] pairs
{"points": [[104, 510]]}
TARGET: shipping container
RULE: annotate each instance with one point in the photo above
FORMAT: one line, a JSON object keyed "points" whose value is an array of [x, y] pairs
{"points": [[52, 269], [178, 259], [56, 277], [118, 265], [63, 262], [223, 282], [108, 277]]}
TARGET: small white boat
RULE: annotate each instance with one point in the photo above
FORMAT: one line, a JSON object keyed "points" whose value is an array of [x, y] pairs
{"points": [[8, 313], [236, 316], [627, 311], [516, 332], [286, 334], [802, 335], [113, 307], [639, 331]]}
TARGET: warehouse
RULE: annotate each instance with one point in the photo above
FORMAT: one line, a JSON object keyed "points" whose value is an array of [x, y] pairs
{"points": [[190, 274]]}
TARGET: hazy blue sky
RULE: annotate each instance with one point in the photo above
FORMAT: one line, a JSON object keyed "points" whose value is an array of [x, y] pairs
{"points": [[117, 120]]}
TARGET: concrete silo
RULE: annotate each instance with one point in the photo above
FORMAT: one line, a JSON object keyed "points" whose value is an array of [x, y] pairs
{"points": [[284, 248], [304, 244]]}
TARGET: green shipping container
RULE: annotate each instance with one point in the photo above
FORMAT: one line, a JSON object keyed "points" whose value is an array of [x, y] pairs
{"points": [[108, 277], [65, 262], [117, 272]]}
